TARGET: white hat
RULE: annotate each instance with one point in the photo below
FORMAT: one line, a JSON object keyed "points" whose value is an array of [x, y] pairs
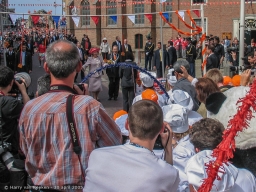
{"points": [[120, 121], [176, 116], [172, 80], [146, 80], [196, 172], [183, 98], [104, 39], [193, 117]]}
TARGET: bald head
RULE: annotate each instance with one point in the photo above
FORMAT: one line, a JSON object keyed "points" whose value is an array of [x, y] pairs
{"points": [[62, 58]]}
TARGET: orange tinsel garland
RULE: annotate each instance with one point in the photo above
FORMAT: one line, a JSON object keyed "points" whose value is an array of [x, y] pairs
{"points": [[225, 149], [187, 25]]}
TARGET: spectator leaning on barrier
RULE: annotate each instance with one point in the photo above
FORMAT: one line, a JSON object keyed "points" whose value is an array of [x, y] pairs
{"points": [[52, 158]]}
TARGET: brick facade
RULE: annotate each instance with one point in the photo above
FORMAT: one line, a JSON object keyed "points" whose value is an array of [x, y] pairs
{"points": [[220, 17]]}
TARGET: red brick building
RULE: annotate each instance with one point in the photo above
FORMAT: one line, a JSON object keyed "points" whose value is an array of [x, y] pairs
{"points": [[221, 18]]}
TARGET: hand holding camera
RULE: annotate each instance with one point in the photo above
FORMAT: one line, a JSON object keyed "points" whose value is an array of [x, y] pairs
{"points": [[81, 89], [166, 137]]}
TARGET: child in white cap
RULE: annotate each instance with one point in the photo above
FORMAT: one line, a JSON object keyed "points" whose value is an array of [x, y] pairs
{"points": [[206, 136], [177, 117], [148, 83]]}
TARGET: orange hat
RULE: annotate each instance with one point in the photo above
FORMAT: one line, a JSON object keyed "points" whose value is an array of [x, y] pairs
{"points": [[119, 114], [226, 80], [236, 80], [150, 95], [94, 49]]}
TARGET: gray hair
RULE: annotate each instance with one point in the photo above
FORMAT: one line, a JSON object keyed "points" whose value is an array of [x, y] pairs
{"points": [[43, 84], [60, 62], [179, 63]]}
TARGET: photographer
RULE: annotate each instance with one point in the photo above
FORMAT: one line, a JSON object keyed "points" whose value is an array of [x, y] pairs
{"points": [[233, 58], [10, 113]]}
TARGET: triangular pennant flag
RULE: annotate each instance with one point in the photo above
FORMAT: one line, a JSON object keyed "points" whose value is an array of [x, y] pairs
{"points": [[76, 20], [95, 19], [35, 18], [166, 16], [56, 20], [114, 18], [150, 17], [197, 13], [14, 18], [181, 13], [132, 18]]}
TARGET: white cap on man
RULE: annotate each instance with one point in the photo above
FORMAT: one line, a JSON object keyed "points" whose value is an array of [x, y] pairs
{"points": [[177, 117], [146, 80]]}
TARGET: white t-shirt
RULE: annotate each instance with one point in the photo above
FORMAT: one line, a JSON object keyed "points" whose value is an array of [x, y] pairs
{"points": [[129, 168]]}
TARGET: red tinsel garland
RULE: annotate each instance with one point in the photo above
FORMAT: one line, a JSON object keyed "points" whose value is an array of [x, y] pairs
{"points": [[225, 149]]}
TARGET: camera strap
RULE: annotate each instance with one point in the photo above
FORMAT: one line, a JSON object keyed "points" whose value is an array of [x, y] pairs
{"points": [[61, 88], [72, 129]]}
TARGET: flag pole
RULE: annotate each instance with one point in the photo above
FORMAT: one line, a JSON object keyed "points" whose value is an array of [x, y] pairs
{"points": [[161, 32], [241, 37], [203, 31]]}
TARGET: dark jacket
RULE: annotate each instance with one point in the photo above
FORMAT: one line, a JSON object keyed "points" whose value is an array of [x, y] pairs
{"points": [[129, 48], [10, 59], [114, 71], [184, 85], [172, 56], [128, 75], [156, 60], [89, 47], [191, 53], [219, 52], [149, 48], [212, 62], [83, 52], [28, 62]]}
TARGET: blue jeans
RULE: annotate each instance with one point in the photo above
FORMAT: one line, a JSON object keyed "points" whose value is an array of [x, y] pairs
{"points": [[148, 59], [192, 70]]}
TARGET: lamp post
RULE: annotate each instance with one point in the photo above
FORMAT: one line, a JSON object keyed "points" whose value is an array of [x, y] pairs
{"points": [[55, 5]]}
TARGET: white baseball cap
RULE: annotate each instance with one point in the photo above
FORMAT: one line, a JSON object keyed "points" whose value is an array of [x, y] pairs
{"points": [[146, 80], [182, 98], [177, 117], [120, 121], [193, 117]]}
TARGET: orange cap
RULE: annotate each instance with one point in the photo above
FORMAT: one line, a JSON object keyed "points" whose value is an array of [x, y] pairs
{"points": [[119, 114], [150, 95], [226, 80], [236, 80]]}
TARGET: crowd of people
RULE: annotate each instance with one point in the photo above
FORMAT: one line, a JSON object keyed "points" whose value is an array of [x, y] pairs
{"points": [[64, 140]]}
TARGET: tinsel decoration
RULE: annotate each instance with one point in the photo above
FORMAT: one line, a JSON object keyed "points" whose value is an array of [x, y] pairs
{"points": [[224, 151], [129, 66]]}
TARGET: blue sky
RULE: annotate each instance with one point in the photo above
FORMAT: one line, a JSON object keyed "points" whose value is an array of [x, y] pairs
{"points": [[25, 8]]}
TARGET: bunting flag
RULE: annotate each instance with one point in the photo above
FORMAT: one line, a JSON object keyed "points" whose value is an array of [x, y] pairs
{"points": [[95, 19], [181, 13], [76, 20], [166, 16], [150, 17], [56, 20], [14, 18], [35, 18], [132, 18], [197, 13], [114, 18]]}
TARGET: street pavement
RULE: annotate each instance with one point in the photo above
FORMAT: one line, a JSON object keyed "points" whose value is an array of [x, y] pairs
{"points": [[110, 106]]}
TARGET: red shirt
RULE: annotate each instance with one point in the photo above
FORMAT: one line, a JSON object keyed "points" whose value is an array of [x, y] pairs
{"points": [[41, 48]]}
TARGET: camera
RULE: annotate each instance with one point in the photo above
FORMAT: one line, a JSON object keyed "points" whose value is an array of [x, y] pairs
{"points": [[4, 147], [232, 49], [81, 86], [158, 144], [253, 72]]}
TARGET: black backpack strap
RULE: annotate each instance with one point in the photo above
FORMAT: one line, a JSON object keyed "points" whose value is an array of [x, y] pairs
{"points": [[72, 125]]}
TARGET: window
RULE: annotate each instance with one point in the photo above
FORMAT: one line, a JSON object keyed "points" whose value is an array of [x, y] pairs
{"points": [[198, 23], [85, 11], [198, 1], [111, 10], [168, 7], [138, 41], [139, 8]]}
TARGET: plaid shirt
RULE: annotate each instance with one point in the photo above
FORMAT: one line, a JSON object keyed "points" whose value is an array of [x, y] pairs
{"points": [[46, 142]]}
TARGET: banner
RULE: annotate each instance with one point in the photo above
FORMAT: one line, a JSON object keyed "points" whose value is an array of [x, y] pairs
{"points": [[197, 13], [114, 18], [181, 13], [76, 20], [150, 17], [14, 18], [56, 20], [35, 18], [95, 19], [132, 18], [166, 16]]}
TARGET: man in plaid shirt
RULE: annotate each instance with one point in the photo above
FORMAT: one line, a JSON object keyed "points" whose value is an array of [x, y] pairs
{"points": [[44, 132]]}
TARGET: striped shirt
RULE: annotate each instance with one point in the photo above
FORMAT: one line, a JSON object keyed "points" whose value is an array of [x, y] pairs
{"points": [[46, 142]]}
